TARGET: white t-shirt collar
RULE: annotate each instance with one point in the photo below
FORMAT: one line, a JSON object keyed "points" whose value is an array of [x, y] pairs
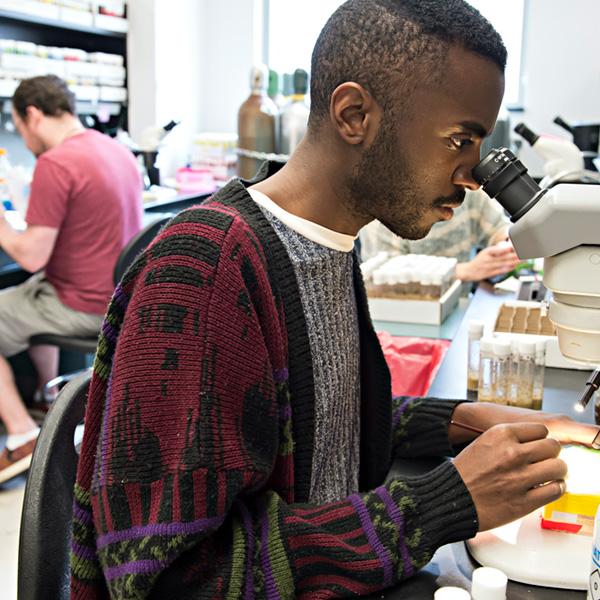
{"points": [[312, 231]]}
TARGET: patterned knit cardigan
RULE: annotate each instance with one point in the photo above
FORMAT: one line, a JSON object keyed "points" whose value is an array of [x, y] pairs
{"points": [[195, 468]]}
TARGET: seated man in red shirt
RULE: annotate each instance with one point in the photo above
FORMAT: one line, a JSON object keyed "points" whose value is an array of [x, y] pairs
{"points": [[85, 204]]}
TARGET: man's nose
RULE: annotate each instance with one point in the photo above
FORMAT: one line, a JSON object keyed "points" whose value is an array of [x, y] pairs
{"points": [[463, 177]]}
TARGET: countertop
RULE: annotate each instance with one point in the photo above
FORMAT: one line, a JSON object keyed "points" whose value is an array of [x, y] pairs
{"points": [[451, 564]]}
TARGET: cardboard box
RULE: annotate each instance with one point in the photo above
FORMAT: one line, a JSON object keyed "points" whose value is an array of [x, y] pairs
{"points": [[427, 312], [521, 319]]}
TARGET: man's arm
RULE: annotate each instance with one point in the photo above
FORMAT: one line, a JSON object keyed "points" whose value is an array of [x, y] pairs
{"points": [[500, 235], [489, 262], [31, 248], [188, 449]]}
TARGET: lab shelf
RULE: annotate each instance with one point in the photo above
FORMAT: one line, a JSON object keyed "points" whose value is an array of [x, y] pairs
{"points": [[58, 24]]}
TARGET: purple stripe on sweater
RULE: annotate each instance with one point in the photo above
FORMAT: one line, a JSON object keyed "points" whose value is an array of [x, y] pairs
{"points": [[367, 525], [120, 297], [136, 567], [158, 529], [280, 375], [285, 413], [400, 411], [108, 331], [85, 516], [82, 551], [398, 519], [249, 591], [271, 586]]}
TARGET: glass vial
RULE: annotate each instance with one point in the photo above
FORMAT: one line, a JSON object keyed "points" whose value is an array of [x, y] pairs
{"points": [[501, 370], [538, 374], [486, 359], [475, 334], [525, 374], [513, 377]]}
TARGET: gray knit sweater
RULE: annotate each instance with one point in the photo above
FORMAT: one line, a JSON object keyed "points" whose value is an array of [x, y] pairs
{"points": [[326, 287]]}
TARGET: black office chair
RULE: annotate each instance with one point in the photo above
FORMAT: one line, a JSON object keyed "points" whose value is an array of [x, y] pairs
{"points": [[87, 345], [45, 536]]}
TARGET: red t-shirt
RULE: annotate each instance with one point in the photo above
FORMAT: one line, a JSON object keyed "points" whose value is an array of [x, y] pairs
{"points": [[89, 188]]}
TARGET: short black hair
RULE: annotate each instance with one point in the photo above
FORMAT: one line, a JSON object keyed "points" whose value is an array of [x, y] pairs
{"points": [[372, 41], [48, 93]]}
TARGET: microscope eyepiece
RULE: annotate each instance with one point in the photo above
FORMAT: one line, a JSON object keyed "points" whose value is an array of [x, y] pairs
{"points": [[503, 177]]}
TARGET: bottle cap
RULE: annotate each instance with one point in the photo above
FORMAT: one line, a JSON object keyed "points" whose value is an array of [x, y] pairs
{"points": [[540, 346], [451, 593], [486, 344], [488, 584], [526, 347], [502, 347], [273, 83], [475, 329], [259, 78], [288, 84], [300, 81]]}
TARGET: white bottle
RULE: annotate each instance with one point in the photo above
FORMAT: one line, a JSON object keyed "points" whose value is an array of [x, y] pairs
{"points": [[475, 334], [5, 200], [451, 593], [594, 580], [485, 391], [294, 115], [488, 584]]}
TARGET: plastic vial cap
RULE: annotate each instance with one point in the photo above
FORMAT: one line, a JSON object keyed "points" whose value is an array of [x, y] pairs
{"points": [[486, 344], [426, 278], [451, 593], [540, 347], [488, 584], [502, 348], [526, 348], [475, 329]]}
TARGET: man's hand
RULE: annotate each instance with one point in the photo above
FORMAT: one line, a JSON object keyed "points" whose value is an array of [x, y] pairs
{"points": [[491, 261], [484, 415], [510, 470]]}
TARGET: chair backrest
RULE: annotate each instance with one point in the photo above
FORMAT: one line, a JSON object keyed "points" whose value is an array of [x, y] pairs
{"points": [[137, 244], [45, 535]]}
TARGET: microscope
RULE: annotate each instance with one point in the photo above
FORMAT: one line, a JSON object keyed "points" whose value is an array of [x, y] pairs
{"points": [[564, 162], [561, 225]]}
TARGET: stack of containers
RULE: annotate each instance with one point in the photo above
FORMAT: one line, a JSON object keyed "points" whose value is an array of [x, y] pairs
{"points": [[95, 76], [511, 372], [409, 276]]}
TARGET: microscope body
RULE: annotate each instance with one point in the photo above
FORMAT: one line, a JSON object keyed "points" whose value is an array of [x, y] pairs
{"points": [[564, 228], [561, 225]]}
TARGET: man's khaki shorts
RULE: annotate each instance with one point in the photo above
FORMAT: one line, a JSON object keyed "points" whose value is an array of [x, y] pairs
{"points": [[33, 308]]}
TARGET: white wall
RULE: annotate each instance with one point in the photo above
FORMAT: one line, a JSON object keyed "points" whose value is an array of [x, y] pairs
{"points": [[141, 65], [191, 59], [165, 73], [230, 47], [561, 67]]}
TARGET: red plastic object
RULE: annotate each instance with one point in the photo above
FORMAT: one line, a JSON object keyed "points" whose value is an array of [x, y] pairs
{"points": [[413, 362], [557, 526]]}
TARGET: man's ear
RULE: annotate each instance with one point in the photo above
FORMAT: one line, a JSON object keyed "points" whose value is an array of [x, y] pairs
{"points": [[33, 115], [354, 113]]}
